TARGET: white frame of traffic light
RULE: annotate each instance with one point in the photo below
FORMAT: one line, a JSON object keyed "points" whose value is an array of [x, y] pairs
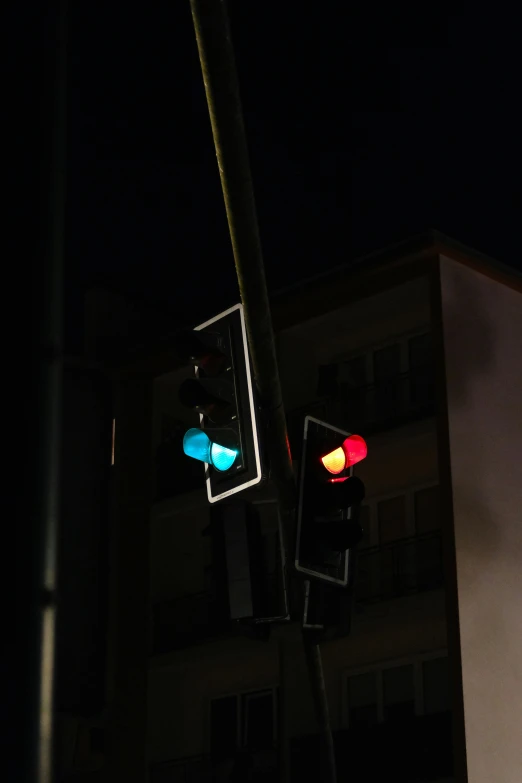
{"points": [[258, 475], [311, 572]]}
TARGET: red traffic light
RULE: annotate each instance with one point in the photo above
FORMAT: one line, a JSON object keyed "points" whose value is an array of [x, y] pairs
{"points": [[353, 450]]}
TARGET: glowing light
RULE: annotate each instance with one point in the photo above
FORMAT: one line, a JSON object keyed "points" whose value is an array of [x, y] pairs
{"points": [[338, 480], [355, 450], [221, 457], [334, 462], [197, 444]]}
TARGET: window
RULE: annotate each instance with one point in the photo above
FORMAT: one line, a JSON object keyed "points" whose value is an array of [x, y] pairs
{"points": [[245, 720], [387, 374], [435, 676], [353, 382], [382, 383], [352, 374], [367, 581], [259, 720], [395, 692], [327, 380], [392, 519], [362, 699], [364, 521], [223, 726], [401, 550], [398, 693], [427, 511], [422, 380], [428, 548]]}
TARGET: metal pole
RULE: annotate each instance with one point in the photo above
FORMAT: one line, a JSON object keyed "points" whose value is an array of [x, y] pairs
{"points": [[38, 540], [216, 56], [219, 75]]}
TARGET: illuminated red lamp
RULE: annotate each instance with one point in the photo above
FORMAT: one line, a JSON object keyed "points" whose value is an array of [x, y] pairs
{"points": [[353, 450]]}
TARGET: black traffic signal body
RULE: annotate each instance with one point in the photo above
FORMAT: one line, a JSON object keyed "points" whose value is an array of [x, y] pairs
{"points": [[329, 501], [237, 560], [222, 392]]}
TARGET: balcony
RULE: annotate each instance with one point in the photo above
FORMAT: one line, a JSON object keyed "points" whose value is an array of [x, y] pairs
{"points": [[396, 569], [188, 620], [262, 768], [199, 617], [413, 750], [402, 567], [391, 402]]}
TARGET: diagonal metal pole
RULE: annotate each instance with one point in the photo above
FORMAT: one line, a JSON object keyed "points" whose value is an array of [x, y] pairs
{"points": [[217, 60]]}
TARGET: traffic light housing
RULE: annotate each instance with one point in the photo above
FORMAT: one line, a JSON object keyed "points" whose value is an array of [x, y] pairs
{"points": [[222, 392], [329, 500]]}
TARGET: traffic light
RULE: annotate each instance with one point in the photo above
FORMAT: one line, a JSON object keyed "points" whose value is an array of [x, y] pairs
{"points": [[329, 501], [223, 394]]}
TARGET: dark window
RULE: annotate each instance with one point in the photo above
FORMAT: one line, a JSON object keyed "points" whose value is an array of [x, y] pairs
{"points": [[362, 699], [223, 726], [436, 685], [353, 389], [387, 371], [398, 693], [364, 521], [422, 382], [271, 572], [392, 519], [367, 581], [327, 380], [97, 739], [428, 548], [258, 720], [391, 515], [352, 374], [427, 510]]}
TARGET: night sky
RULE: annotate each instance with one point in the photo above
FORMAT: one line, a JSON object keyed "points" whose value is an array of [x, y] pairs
{"points": [[364, 127]]}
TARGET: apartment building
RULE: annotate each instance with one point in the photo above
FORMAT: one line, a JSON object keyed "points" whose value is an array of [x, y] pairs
{"points": [[416, 348]]}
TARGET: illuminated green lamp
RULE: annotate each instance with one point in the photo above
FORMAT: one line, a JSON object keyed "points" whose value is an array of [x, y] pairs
{"points": [[197, 444]]}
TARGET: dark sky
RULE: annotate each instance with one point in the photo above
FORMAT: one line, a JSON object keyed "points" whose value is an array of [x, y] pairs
{"points": [[364, 126]]}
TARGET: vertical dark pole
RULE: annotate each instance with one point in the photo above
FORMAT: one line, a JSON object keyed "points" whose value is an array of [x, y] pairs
{"points": [[36, 562], [314, 663], [216, 56]]}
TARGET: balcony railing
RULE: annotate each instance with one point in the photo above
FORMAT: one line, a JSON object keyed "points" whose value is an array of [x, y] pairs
{"points": [[381, 405], [263, 768], [189, 619], [195, 769], [398, 568], [197, 617], [392, 570], [414, 750]]}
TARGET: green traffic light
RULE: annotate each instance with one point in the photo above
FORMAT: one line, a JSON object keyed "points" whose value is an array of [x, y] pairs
{"points": [[197, 444]]}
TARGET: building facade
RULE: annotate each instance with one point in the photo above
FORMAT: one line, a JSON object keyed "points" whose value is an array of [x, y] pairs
{"points": [[398, 349], [418, 350]]}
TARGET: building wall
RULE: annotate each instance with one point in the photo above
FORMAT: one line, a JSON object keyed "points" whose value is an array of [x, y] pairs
{"points": [[182, 683], [337, 335], [482, 327], [179, 552]]}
